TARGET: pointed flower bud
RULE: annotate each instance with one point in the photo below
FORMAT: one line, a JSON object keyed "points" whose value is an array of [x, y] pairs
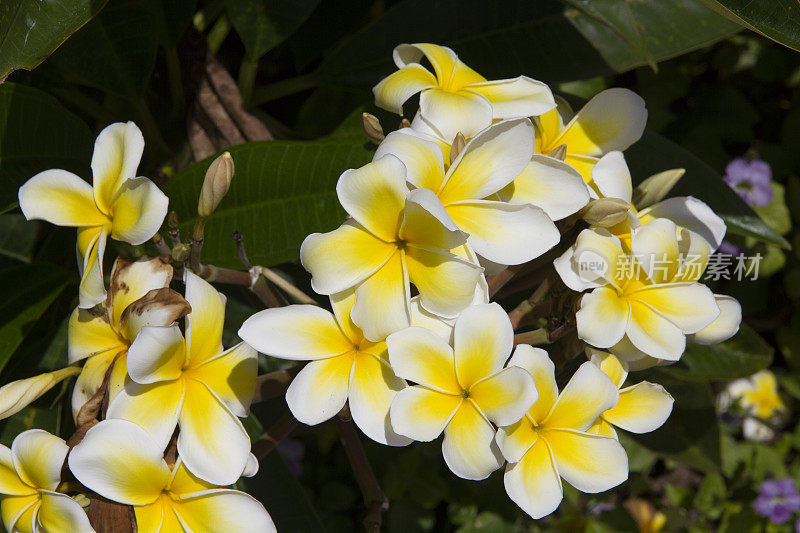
{"points": [[372, 128], [458, 145], [605, 212], [17, 395], [656, 187], [216, 184], [404, 123]]}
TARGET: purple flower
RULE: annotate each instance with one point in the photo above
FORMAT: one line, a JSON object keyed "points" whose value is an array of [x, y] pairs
{"points": [[750, 180], [778, 500], [730, 249]]}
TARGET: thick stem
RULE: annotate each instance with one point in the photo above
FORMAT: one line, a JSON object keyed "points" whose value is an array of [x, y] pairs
{"points": [[374, 498], [283, 284], [276, 433], [229, 276], [196, 246], [537, 336], [218, 32], [526, 306], [247, 79], [161, 246]]}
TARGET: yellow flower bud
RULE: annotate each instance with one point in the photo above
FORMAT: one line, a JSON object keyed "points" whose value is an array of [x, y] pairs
{"points": [[17, 395], [216, 184], [605, 212], [656, 187]]}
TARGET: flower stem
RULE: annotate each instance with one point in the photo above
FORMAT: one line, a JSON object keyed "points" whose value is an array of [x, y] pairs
{"points": [[276, 433], [526, 306]]}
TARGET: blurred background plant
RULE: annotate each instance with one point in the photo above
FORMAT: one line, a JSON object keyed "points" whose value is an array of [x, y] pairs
{"points": [[202, 76]]}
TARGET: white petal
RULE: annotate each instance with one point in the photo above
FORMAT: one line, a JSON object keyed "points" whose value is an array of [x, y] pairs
{"points": [[603, 317], [223, 511], [320, 390], [469, 448], [452, 113], [38, 457], [692, 214], [59, 512], [297, 332], [533, 483], [725, 326], [138, 209], [421, 413], [393, 91], [422, 158], [508, 234], [118, 460], [517, 97], [373, 387], [642, 408], [61, 198], [589, 393], [117, 152], [590, 463], [612, 177], [157, 354], [483, 340]]}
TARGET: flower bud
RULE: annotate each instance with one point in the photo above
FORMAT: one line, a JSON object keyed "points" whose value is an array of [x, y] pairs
{"points": [[17, 395], [458, 145], [216, 184], [372, 128], [656, 187], [404, 123], [559, 152], [180, 253], [605, 212]]}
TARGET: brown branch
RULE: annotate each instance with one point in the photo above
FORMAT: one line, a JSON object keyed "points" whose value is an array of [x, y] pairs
{"points": [[161, 246], [260, 286], [374, 498], [274, 383], [276, 433], [526, 306]]}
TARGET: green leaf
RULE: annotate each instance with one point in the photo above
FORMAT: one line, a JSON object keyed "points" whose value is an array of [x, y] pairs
{"points": [[537, 39], [691, 435], [263, 24], [282, 191], [28, 291], [654, 153], [628, 33], [172, 18], [741, 356], [30, 31], [776, 214], [37, 134], [17, 237], [115, 52], [778, 19]]}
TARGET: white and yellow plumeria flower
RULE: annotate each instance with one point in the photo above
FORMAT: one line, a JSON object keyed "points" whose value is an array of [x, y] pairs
{"points": [[192, 383], [758, 395], [455, 98], [17, 395], [551, 442], [395, 236], [613, 120], [644, 303], [612, 179], [460, 389], [641, 408], [118, 204], [139, 295], [344, 366], [30, 473], [507, 223], [120, 461]]}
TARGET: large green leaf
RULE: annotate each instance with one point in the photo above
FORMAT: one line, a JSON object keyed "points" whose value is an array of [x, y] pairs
{"points": [[30, 31], [282, 191], [538, 39], [743, 355], [263, 24], [37, 133], [777, 19], [28, 291], [653, 30], [691, 435], [17, 237], [115, 52], [654, 153]]}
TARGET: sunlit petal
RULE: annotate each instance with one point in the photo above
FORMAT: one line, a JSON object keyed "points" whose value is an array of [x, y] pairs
{"points": [[38, 457], [61, 198], [373, 387], [533, 483], [204, 324], [690, 306], [117, 152], [452, 113], [59, 512], [590, 463], [320, 390], [421, 413], [517, 97], [139, 208], [157, 354], [612, 177], [421, 356], [589, 393], [393, 91], [232, 377], [603, 317], [653, 334], [446, 283], [423, 159], [642, 408], [223, 511], [725, 325], [506, 396], [469, 448], [153, 407], [539, 365], [382, 300]]}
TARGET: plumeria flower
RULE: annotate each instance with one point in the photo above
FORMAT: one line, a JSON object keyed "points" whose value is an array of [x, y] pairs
{"points": [[493, 191], [118, 204], [751, 180], [395, 236], [139, 295], [613, 120], [344, 366], [641, 408], [644, 303], [30, 473], [120, 461], [455, 98], [192, 383], [758, 395], [551, 442], [460, 389], [611, 178]]}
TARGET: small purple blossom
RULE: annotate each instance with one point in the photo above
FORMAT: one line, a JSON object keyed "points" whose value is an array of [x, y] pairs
{"points": [[751, 180], [730, 249], [778, 500]]}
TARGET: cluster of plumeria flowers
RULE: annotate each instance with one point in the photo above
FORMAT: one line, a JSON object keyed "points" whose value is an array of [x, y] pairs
{"points": [[488, 176]]}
